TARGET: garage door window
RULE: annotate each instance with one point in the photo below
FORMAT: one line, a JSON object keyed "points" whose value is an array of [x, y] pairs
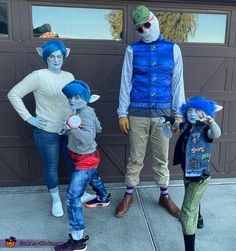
{"points": [[193, 27], [77, 23], [3, 20]]}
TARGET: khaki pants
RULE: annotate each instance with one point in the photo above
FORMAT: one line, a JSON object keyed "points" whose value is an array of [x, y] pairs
{"points": [[142, 130], [190, 208]]}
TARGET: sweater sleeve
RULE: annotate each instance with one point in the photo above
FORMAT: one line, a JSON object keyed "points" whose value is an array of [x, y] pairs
{"points": [[126, 85], [16, 94], [85, 134]]}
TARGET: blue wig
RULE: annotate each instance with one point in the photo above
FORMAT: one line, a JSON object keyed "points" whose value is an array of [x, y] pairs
{"points": [[51, 46], [77, 87], [199, 103]]}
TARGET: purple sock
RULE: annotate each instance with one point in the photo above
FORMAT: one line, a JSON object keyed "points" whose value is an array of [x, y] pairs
{"points": [[164, 191], [129, 190]]}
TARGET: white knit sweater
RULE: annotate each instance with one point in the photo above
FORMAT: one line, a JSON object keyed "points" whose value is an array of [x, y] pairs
{"points": [[51, 103]]}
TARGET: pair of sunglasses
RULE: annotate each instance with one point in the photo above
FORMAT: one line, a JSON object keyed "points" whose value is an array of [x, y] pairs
{"points": [[147, 25]]}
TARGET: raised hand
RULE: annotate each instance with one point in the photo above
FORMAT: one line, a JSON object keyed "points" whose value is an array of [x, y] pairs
{"points": [[204, 118]]}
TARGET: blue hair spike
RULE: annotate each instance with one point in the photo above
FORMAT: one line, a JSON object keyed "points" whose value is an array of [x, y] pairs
{"points": [[77, 87], [53, 45], [199, 103]]}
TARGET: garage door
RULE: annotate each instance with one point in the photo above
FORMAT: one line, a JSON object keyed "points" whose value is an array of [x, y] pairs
{"points": [[98, 36]]}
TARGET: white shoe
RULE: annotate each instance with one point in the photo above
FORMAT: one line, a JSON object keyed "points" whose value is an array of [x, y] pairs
{"points": [[57, 209], [87, 197]]}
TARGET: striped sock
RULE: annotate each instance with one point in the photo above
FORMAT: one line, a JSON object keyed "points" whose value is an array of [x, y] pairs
{"points": [[129, 190], [164, 191]]}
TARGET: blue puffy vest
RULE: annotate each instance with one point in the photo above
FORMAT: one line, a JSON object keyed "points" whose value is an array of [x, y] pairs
{"points": [[152, 74], [198, 151]]}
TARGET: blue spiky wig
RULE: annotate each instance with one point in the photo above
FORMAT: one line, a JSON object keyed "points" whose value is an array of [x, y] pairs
{"points": [[77, 87], [199, 103], [53, 45]]}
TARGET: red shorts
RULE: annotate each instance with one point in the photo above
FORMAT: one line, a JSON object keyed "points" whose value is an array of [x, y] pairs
{"points": [[85, 161]]}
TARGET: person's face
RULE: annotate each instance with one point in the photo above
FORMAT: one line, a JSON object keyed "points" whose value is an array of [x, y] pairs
{"points": [[143, 27], [76, 103], [193, 115], [55, 61], [150, 31]]}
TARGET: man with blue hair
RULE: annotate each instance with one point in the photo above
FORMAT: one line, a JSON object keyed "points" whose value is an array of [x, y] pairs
{"points": [[192, 151], [82, 128]]}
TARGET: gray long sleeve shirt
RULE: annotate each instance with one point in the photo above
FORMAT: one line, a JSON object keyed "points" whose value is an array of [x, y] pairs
{"points": [[82, 139]]}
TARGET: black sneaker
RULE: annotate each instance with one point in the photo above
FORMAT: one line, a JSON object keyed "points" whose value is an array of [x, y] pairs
{"points": [[73, 245], [97, 203], [200, 223]]}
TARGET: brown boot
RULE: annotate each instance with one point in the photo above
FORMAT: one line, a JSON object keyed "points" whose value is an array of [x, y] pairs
{"points": [[124, 206], [169, 205]]}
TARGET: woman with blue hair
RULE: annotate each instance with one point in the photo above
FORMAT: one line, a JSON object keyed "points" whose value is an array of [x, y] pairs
{"points": [[51, 110], [192, 151]]}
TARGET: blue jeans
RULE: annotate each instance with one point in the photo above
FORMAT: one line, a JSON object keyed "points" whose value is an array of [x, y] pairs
{"points": [[50, 145], [79, 181]]}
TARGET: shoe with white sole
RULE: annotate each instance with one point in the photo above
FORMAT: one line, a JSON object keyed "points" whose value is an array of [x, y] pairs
{"points": [[87, 197], [97, 203], [73, 245], [57, 209]]}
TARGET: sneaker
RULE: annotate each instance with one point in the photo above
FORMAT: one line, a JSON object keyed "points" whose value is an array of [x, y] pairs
{"points": [[97, 203], [87, 197], [73, 245], [57, 209]]}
